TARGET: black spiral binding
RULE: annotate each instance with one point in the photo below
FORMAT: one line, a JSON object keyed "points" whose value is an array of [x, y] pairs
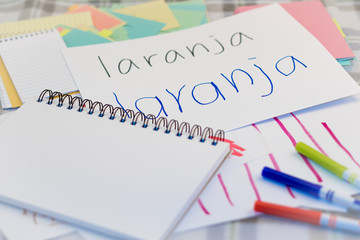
{"points": [[135, 117], [21, 35]]}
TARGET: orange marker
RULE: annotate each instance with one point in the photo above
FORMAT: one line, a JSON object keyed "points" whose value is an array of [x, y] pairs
{"points": [[313, 217]]}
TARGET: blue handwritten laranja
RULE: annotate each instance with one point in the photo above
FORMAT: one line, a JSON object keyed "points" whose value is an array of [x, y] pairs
{"points": [[200, 87], [232, 82], [271, 84], [157, 99], [117, 100], [293, 64], [217, 91], [177, 99]]}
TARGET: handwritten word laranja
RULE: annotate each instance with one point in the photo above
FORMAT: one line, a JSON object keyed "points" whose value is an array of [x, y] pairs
{"points": [[284, 66], [215, 47]]}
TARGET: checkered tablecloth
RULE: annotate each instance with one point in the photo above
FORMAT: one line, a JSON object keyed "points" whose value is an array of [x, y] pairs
{"points": [[346, 12]]}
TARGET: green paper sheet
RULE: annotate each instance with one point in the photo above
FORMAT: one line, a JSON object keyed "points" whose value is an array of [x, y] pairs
{"points": [[77, 38], [187, 19]]}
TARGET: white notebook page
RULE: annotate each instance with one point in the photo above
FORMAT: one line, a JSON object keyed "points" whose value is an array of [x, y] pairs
{"points": [[112, 177]]}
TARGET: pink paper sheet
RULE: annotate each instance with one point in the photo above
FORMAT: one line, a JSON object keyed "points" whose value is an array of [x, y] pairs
{"points": [[101, 19], [314, 17]]}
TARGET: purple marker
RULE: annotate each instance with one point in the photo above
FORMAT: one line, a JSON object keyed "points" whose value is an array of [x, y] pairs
{"points": [[313, 189]]}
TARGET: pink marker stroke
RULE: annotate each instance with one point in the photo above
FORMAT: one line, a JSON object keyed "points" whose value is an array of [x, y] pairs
{"points": [[332, 134], [252, 182], [309, 135], [292, 139], [274, 162], [202, 206], [225, 189]]}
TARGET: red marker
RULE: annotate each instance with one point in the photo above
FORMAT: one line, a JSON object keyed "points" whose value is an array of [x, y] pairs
{"points": [[309, 216]]}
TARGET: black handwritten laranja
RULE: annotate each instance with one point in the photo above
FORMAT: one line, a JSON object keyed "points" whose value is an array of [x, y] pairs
{"points": [[215, 47]]}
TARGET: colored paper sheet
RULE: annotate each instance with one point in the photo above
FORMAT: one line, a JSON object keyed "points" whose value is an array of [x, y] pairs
{"points": [[314, 17], [187, 19], [9, 86], [205, 19], [197, 5], [155, 10], [39, 24], [76, 37], [101, 19], [137, 27], [120, 34], [345, 62], [104, 33], [214, 75]]}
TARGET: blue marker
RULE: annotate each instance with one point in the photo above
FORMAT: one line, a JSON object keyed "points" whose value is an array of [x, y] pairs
{"points": [[315, 190]]}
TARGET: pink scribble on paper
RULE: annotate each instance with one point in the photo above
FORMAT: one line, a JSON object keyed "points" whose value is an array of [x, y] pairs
{"points": [[252, 182], [292, 139], [332, 134], [272, 158], [234, 147], [274, 162], [309, 135], [225, 189], [203, 207]]}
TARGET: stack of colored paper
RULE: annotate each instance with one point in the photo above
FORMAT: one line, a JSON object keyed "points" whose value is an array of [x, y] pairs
{"points": [[314, 17]]}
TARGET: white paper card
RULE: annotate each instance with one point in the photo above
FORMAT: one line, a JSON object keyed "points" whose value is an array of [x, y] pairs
{"points": [[225, 74]]}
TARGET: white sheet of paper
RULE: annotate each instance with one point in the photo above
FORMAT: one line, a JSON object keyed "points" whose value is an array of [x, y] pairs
{"points": [[334, 128], [225, 74]]}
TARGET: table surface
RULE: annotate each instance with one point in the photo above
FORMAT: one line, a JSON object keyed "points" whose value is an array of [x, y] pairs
{"points": [[347, 14]]}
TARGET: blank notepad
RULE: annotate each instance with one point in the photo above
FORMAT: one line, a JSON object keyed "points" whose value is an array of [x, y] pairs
{"points": [[35, 62], [116, 177]]}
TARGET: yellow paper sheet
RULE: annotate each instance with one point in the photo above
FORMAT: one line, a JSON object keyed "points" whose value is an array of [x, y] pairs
{"points": [[9, 86], [39, 24], [155, 10]]}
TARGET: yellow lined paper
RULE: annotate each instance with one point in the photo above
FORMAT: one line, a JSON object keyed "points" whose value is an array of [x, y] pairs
{"points": [[39, 24]]}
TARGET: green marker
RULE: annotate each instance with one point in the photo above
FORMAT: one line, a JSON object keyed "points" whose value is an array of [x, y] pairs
{"points": [[336, 168]]}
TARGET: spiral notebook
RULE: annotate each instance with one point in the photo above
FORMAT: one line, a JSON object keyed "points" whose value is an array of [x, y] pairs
{"points": [[97, 166]]}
